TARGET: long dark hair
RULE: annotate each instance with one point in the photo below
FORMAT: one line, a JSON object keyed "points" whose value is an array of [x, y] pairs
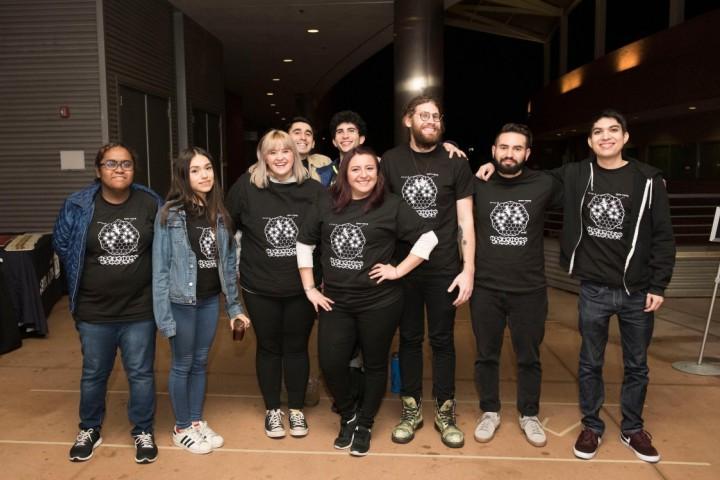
{"points": [[341, 192], [182, 195]]}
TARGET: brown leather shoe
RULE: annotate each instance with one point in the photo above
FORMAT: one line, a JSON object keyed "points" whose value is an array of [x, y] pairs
{"points": [[587, 444], [640, 442]]}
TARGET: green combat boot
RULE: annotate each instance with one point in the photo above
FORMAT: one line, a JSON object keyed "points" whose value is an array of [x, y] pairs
{"points": [[411, 419], [450, 434]]}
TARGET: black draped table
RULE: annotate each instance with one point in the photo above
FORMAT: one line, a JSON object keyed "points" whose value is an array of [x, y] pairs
{"points": [[32, 285]]}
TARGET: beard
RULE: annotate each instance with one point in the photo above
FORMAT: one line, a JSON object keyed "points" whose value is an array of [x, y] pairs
{"points": [[422, 140], [508, 169]]}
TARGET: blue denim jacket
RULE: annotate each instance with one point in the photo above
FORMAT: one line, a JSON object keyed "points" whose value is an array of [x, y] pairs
{"points": [[175, 269], [70, 233]]}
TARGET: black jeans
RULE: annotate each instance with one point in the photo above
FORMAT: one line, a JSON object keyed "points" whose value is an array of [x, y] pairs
{"points": [[339, 333], [282, 326], [596, 304], [524, 314], [428, 293]]}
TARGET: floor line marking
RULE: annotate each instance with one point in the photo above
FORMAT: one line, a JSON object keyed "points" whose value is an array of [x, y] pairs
{"points": [[559, 434], [428, 456], [237, 395]]}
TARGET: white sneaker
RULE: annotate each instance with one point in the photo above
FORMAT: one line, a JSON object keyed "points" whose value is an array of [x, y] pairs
{"points": [[273, 423], [191, 440], [202, 427], [534, 432], [485, 430], [298, 424]]}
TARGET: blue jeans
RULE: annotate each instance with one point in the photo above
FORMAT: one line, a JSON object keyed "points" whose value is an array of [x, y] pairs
{"points": [[99, 342], [195, 332], [597, 303]]}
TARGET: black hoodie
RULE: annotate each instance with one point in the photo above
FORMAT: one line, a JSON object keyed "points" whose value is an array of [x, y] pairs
{"points": [[650, 244]]}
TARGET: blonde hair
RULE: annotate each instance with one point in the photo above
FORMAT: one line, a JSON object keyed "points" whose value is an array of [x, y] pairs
{"points": [[260, 174]]}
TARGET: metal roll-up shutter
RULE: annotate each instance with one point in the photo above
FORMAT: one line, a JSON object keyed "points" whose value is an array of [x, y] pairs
{"points": [[139, 54], [48, 59]]}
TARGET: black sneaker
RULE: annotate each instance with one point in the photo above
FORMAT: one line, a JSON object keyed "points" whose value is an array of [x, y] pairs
{"points": [[360, 442], [85, 442], [347, 430], [297, 422], [273, 423], [145, 449]]}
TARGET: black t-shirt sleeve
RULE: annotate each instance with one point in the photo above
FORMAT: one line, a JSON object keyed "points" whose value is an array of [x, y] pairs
{"points": [[409, 225], [311, 228], [463, 179], [235, 201], [384, 166], [558, 194]]}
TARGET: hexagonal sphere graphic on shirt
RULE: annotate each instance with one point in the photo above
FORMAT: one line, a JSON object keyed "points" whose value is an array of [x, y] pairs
{"points": [[420, 192], [347, 241], [509, 219], [119, 237], [208, 245], [281, 232], [606, 211]]}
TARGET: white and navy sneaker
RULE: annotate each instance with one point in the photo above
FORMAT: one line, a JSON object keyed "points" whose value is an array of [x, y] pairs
{"points": [[191, 440]]}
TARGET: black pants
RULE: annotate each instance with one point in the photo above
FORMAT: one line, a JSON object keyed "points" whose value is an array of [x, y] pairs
{"points": [[339, 333], [431, 294], [524, 314], [282, 326]]}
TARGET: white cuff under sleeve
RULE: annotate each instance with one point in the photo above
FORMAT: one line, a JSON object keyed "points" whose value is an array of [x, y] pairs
{"points": [[305, 255], [423, 247]]}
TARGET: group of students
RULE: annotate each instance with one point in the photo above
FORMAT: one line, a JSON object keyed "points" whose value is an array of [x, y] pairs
{"points": [[366, 246]]}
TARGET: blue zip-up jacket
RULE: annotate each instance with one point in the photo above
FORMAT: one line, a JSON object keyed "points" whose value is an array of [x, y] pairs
{"points": [[175, 269], [327, 173], [70, 233]]}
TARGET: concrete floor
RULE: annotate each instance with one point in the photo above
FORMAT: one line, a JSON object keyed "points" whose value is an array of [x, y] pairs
{"points": [[39, 415]]}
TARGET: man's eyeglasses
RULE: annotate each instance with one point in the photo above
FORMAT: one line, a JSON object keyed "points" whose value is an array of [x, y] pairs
{"points": [[113, 164], [425, 116]]}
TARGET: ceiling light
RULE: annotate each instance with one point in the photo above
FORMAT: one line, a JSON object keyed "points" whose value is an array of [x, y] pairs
{"points": [[277, 113], [287, 60], [269, 94], [313, 30], [282, 118], [276, 79], [692, 108], [272, 104]]}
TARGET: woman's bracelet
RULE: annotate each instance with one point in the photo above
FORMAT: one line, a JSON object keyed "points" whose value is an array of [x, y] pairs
{"points": [[311, 287]]}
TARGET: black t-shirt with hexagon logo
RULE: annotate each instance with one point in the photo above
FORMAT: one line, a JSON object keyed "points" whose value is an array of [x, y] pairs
{"points": [[509, 223], [606, 227], [431, 184], [117, 269], [270, 219], [353, 241], [203, 242]]}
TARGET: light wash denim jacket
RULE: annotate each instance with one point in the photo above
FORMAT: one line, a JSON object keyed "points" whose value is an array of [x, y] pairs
{"points": [[175, 269]]}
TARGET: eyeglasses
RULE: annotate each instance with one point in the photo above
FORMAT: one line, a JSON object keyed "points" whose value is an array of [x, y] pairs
{"points": [[114, 164], [425, 116]]}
